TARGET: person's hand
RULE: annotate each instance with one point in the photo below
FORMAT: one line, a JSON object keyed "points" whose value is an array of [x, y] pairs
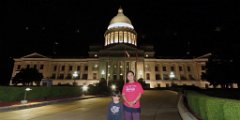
{"points": [[130, 104]]}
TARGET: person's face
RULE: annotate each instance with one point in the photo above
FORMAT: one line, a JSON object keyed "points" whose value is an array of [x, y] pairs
{"points": [[130, 77], [116, 98]]}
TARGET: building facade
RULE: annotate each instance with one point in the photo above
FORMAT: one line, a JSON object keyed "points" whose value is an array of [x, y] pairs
{"points": [[119, 54]]}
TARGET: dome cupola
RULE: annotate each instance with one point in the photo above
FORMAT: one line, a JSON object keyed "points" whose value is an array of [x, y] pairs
{"points": [[120, 30]]}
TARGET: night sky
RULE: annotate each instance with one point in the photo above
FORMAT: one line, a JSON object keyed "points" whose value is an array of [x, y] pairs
{"points": [[68, 27]]}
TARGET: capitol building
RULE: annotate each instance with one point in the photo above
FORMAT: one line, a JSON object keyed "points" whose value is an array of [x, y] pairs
{"points": [[119, 54]]}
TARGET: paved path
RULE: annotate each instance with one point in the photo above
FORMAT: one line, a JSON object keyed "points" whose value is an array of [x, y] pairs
{"points": [[156, 105]]}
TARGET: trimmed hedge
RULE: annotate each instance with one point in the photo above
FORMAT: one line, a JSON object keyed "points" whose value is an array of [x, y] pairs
{"points": [[203, 106], [212, 108], [215, 108], [17, 93], [231, 110]]}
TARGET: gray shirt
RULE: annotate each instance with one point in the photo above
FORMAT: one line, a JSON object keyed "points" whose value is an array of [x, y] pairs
{"points": [[115, 111]]}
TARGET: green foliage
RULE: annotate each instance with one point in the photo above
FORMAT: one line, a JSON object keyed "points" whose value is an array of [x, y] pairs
{"points": [[232, 110], [221, 68], [215, 108], [27, 77], [203, 106], [143, 83], [11, 93], [208, 108], [192, 99], [102, 87], [17, 93]]}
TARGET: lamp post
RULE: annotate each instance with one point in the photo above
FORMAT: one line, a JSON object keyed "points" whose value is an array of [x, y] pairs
{"points": [[103, 73], [24, 101], [75, 75], [172, 76]]}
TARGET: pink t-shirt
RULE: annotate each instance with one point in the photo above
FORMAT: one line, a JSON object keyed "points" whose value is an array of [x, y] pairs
{"points": [[131, 91]]}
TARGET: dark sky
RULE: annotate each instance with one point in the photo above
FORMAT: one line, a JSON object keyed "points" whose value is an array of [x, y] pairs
{"points": [[68, 27]]}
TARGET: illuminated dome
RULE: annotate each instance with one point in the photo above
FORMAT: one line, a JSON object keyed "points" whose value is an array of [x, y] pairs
{"points": [[120, 20], [120, 30]]}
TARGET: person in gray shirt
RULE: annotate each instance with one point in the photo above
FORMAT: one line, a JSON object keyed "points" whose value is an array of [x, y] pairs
{"points": [[115, 107]]}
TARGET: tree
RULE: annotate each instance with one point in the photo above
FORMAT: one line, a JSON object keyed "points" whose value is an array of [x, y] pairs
{"points": [[27, 76], [142, 82], [220, 69]]}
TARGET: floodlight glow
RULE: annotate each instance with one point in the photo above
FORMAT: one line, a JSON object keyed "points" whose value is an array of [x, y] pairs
{"points": [[113, 87], [28, 89], [119, 24], [85, 88], [172, 75], [75, 74]]}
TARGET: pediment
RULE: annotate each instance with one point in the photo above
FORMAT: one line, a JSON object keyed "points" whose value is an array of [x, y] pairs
{"points": [[34, 55], [204, 56]]}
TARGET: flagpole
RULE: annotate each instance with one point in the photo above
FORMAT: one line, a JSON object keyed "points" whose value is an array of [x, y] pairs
{"points": [[107, 72], [125, 68], [136, 65]]}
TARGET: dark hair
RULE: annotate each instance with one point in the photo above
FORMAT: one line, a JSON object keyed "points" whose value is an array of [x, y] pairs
{"points": [[130, 72], [116, 93]]}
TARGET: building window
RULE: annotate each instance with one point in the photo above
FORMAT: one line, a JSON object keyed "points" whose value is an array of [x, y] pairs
{"points": [[115, 76], [69, 76], [55, 68], [61, 76], [191, 77], [188, 68], [148, 76], [164, 68], [180, 68], [165, 77], [35, 66], [94, 76], [78, 68], [156, 68], [172, 68], [203, 67], [86, 68], [41, 66], [63, 68], [158, 77], [182, 77], [70, 68], [18, 67], [53, 76], [85, 76]]}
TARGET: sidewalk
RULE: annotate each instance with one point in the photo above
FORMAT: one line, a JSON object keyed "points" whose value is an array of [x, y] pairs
{"points": [[31, 104]]}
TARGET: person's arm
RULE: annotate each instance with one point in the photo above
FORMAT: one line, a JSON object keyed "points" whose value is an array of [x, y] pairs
{"points": [[125, 99], [137, 98]]}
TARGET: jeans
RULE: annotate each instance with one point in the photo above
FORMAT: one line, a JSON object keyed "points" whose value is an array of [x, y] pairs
{"points": [[132, 115]]}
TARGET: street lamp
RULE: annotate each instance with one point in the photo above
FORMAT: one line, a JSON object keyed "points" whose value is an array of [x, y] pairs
{"points": [[172, 76], [24, 101], [103, 73], [113, 87], [75, 75]]}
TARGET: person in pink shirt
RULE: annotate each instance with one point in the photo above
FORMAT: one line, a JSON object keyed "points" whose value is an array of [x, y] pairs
{"points": [[131, 94]]}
